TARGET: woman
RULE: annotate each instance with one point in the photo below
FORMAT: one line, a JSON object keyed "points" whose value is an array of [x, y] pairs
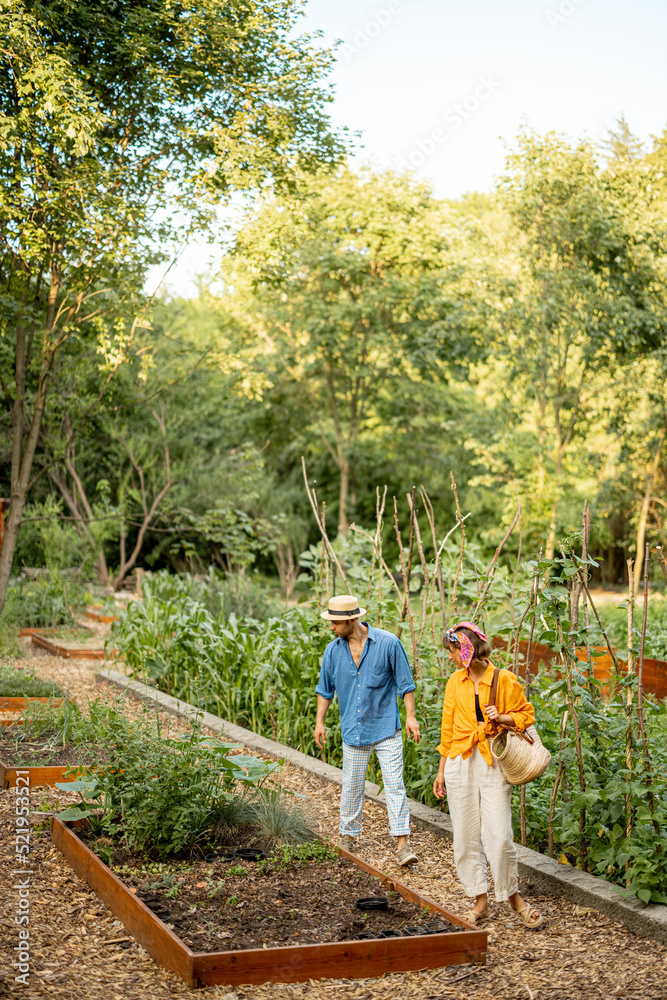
{"points": [[478, 793]]}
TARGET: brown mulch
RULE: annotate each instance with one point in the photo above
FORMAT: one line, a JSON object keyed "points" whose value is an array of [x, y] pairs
{"points": [[80, 951]]}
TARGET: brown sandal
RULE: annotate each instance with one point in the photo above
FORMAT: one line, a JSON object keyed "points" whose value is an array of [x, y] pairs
{"points": [[526, 912]]}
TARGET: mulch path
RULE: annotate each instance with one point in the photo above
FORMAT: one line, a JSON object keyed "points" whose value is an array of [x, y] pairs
{"points": [[79, 950]]}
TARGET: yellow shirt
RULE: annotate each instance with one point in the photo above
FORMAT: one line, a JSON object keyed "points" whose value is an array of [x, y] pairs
{"points": [[460, 728]]}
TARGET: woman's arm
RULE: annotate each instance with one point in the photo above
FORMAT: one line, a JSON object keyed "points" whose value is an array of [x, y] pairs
{"points": [[518, 711]]}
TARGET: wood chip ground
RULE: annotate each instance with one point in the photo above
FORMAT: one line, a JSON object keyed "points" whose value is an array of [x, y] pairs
{"points": [[80, 952]]}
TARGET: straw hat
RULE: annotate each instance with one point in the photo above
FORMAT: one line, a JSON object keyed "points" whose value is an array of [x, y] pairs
{"points": [[340, 609]]}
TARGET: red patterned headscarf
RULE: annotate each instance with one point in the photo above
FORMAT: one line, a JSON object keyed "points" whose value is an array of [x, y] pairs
{"points": [[463, 642]]}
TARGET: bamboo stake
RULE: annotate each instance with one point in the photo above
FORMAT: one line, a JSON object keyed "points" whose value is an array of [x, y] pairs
{"points": [[377, 545], [586, 534], [516, 570], [381, 559], [437, 569], [406, 605], [597, 617], [628, 707], [640, 696], [325, 537], [532, 603], [554, 793], [583, 849], [663, 564], [491, 571], [422, 558], [463, 545], [533, 598]]}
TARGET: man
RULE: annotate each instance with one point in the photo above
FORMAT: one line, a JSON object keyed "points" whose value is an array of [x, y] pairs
{"points": [[366, 667]]}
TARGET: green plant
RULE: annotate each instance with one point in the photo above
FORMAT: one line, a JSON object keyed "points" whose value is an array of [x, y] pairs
{"points": [[281, 821], [160, 792], [45, 602], [238, 870], [16, 682]]}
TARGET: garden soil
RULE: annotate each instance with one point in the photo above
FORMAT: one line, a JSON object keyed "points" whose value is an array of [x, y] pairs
{"points": [[80, 952], [40, 753], [220, 906]]}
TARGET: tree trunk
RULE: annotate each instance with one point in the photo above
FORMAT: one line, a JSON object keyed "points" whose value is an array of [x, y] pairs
{"points": [[643, 517], [82, 525]]}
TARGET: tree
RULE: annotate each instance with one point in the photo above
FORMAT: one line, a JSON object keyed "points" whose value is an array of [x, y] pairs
{"points": [[344, 299], [113, 121], [589, 292]]}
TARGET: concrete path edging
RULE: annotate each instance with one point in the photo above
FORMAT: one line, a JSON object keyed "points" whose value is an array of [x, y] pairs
{"points": [[546, 874]]}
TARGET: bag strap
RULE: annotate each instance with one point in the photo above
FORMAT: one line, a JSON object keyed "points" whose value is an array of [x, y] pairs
{"points": [[492, 701], [494, 686]]}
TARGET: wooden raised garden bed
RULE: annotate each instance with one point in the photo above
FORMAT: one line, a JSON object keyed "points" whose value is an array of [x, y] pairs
{"points": [[38, 774], [99, 615], [287, 964], [17, 705], [51, 640]]}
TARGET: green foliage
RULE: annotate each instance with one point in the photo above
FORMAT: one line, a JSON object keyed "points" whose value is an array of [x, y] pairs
{"points": [[283, 857], [157, 793], [282, 820], [24, 683], [263, 676], [45, 602], [242, 595], [615, 621]]}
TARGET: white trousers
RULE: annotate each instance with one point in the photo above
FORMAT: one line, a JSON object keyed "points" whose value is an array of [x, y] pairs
{"points": [[480, 800], [389, 753]]}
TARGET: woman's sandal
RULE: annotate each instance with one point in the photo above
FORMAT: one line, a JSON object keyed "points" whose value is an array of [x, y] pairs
{"points": [[475, 918], [526, 912]]}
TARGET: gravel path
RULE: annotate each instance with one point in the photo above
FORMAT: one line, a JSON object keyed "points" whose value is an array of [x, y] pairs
{"points": [[79, 950]]}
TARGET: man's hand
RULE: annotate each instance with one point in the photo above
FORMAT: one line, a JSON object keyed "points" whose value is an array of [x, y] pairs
{"points": [[412, 727], [320, 735], [439, 789]]}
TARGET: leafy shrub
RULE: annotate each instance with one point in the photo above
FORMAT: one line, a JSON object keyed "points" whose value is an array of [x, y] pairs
{"points": [[45, 602], [17, 683], [159, 794]]}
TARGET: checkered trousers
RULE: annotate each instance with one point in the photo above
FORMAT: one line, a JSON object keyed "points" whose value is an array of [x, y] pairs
{"points": [[355, 765]]}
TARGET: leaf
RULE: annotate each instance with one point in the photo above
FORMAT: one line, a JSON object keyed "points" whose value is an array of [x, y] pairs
{"points": [[73, 812]]}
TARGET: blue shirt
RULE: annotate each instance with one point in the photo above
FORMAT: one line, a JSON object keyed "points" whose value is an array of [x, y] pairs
{"points": [[367, 696]]}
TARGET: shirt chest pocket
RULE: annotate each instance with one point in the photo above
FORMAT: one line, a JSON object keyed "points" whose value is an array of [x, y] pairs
{"points": [[375, 677]]}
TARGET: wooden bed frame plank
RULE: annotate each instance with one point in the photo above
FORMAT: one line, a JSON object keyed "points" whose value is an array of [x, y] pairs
{"points": [[295, 963]]}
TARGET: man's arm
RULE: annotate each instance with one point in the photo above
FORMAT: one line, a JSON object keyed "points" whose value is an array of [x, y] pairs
{"points": [[320, 731], [411, 724]]}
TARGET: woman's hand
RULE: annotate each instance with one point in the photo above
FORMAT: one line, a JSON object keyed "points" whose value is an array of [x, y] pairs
{"points": [[495, 716], [439, 789]]}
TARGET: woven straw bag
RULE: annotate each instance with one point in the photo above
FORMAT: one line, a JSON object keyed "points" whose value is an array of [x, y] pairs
{"points": [[522, 756]]}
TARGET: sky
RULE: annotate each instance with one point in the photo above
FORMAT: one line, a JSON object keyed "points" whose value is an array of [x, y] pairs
{"points": [[442, 87]]}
